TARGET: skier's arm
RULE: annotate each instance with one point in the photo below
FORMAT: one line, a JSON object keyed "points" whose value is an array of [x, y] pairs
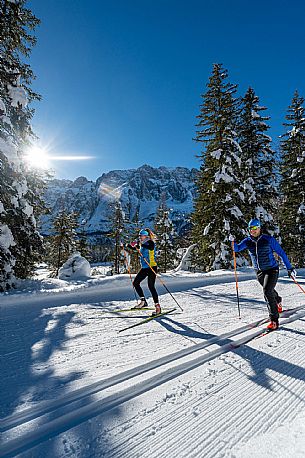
{"points": [[240, 246], [133, 246], [279, 250]]}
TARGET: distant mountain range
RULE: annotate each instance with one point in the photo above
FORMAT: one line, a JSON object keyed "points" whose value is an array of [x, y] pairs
{"points": [[139, 191]]}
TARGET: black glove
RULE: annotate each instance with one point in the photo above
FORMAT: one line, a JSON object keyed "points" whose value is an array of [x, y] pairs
{"points": [[292, 273]]}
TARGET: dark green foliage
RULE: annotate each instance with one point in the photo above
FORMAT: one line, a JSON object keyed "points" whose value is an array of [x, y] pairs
{"points": [[117, 234], [165, 233], [63, 243], [217, 207], [258, 162], [292, 210], [18, 193]]}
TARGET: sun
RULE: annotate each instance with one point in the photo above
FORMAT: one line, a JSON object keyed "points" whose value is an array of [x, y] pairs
{"points": [[37, 157]]}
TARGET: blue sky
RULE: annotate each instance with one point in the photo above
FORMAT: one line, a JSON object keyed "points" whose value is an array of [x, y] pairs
{"points": [[121, 80]]}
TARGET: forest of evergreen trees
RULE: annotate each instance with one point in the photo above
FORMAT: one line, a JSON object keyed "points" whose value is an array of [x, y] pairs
{"points": [[241, 176]]}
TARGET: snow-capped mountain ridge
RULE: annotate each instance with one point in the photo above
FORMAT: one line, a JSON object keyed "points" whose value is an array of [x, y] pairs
{"points": [[138, 190]]}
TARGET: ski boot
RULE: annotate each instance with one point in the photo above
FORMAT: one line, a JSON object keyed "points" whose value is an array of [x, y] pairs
{"points": [[273, 325], [280, 306], [141, 305], [157, 311]]}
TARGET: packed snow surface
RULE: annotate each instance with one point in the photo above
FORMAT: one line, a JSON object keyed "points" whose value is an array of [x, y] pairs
{"points": [[190, 384]]}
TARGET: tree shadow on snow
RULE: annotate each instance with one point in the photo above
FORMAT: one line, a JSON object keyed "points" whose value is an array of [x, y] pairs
{"points": [[29, 339]]}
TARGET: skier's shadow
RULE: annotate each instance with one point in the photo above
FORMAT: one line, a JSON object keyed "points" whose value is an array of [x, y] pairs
{"points": [[260, 362], [182, 329]]}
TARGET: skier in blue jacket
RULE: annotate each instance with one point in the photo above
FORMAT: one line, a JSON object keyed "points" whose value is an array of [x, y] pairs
{"points": [[147, 251], [261, 248]]}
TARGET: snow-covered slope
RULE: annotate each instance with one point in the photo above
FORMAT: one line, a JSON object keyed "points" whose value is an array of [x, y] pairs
{"points": [[139, 191], [193, 384]]}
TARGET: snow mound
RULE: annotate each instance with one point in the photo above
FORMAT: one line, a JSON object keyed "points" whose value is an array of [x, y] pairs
{"points": [[75, 268]]}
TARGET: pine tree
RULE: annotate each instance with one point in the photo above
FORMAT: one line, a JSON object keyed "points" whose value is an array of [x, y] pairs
{"points": [[117, 233], [63, 243], [82, 244], [164, 230], [20, 242], [258, 162], [217, 206], [136, 225], [292, 211]]}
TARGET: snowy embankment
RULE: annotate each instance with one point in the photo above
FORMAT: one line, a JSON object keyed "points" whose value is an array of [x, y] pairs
{"points": [[190, 384]]}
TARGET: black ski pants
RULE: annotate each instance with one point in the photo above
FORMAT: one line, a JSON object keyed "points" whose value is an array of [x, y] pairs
{"points": [[268, 279], [151, 275]]}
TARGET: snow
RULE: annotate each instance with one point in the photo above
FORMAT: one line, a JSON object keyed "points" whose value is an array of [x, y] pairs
{"points": [[6, 237], [10, 151], [18, 96], [223, 175], [216, 154], [75, 268], [2, 108], [190, 384]]}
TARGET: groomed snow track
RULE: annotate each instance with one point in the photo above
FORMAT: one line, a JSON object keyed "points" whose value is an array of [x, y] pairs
{"points": [[74, 409]]}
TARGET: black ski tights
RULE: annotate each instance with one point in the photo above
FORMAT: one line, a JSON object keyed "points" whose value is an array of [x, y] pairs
{"points": [[268, 279], [141, 275]]}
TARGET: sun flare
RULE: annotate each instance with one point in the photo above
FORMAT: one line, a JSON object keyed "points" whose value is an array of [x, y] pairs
{"points": [[37, 157]]}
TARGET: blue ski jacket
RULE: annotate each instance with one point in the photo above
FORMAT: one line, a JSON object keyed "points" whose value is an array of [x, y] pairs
{"points": [[261, 251]]}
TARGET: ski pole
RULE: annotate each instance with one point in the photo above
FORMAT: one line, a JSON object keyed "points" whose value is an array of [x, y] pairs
{"points": [[130, 276], [298, 284], [236, 278], [161, 281]]}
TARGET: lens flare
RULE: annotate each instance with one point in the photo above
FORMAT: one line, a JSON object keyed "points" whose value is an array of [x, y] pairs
{"points": [[106, 190], [37, 157]]}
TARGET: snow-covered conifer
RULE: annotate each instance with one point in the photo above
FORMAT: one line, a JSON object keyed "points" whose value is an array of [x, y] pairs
{"points": [[64, 242], [217, 206], [258, 162], [20, 242], [117, 232], [164, 230], [292, 210]]}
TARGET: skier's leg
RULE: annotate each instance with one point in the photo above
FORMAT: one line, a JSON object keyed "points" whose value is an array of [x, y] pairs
{"points": [[138, 279], [270, 280], [151, 284]]}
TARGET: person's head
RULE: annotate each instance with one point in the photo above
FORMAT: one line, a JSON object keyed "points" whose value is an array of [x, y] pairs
{"points": [[143, 234], [254, 227], [146, 234]]}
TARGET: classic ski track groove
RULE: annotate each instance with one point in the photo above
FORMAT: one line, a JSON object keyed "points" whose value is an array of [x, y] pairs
{"points": [[74, 396], [71, 419], [246, 421]]}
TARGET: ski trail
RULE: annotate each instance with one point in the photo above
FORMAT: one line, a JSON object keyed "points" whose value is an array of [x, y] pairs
{"points": [[69, 420], [77, 395], [240, 411]]}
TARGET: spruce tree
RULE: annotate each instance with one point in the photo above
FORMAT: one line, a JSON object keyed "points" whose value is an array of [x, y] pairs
{"points": [[20, 243], [117, 233], [63, 243], [136, 226], [292, 210], [258, 162], [164, 230], [217, 206]]}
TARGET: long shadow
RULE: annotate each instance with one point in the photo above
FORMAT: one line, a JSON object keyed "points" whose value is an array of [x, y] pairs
{"points": [[28, 342], [229, 297], [260, 361]]}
